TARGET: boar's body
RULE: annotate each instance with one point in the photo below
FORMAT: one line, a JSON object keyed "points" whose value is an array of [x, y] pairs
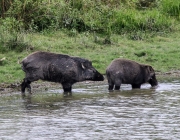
{"points": [[123, 71], [59, 68]]}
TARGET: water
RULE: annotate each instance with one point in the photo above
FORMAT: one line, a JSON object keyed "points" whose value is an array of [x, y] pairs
{"points": [[93, 113]]}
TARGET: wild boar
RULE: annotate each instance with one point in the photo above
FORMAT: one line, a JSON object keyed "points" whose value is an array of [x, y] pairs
{"points": [[60, 68], [123, 71]]}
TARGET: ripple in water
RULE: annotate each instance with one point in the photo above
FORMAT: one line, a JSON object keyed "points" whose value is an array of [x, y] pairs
{"points": [[93, 113]]}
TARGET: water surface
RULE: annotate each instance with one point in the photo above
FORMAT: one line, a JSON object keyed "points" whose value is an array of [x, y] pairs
{"points": [[93, 113]]}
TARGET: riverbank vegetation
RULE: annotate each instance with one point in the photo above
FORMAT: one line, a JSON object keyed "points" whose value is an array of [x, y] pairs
{"points": [[146, 31]]}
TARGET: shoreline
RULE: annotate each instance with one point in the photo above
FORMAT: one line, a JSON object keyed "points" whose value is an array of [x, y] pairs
{"points": [[45, 85]]}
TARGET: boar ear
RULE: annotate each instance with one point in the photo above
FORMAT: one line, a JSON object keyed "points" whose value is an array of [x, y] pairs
{"points": [[150, 70]]}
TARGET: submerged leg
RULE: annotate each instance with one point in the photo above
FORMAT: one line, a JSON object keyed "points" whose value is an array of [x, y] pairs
{"points": [[117, 87], [23, 86], [29, 88], [25, 83], [136, 85], [111, 87], [117, 84], [111, 84], [67, 89]]}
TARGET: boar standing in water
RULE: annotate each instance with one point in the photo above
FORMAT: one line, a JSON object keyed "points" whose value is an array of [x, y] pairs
{"points": [[59, 68], [123, 71]]}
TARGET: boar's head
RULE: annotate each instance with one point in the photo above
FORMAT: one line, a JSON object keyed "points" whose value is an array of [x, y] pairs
{"points": [[90, 73], [151, 76]]}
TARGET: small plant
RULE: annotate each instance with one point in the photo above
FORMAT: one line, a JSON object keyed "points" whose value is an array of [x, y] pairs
{"points": [[18, 44], [144, 4], [2, 61]]}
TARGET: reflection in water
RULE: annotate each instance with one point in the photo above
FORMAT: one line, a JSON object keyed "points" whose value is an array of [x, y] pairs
{"points": [[93, 113]]}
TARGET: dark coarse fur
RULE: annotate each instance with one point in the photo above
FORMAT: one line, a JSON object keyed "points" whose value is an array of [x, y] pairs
{"points": [[60, 68], [123, 71]]}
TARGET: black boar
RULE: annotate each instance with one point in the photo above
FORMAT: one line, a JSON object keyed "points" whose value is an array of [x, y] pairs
{"points": [[123, 71], [59, 68]]}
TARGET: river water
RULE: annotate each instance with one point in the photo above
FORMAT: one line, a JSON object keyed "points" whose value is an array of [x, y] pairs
{"points": [[92, 113]]}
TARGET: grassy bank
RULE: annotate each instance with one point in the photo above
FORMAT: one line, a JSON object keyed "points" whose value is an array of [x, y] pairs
{"points": [[162, 52], [146, 31]]}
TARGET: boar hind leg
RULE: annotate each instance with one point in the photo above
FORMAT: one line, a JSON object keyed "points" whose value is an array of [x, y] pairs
{"points": [[117, 84], [117, 87], [136, 85], [111, 87], [25, 84], [111, 84]]}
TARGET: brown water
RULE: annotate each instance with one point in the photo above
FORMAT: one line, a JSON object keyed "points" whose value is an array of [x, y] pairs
{"points": [[92, 113]]}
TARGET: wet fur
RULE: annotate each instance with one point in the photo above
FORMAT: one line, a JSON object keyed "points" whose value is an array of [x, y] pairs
{"points": [[59, 68], [123, 71]]}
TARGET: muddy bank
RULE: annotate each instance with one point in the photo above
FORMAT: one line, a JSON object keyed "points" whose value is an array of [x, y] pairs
{"points": [[44, 85], [36, 86]]}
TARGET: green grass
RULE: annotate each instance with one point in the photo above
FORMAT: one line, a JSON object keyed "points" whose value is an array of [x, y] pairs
{"points": [[149, 34], [162, 52]]}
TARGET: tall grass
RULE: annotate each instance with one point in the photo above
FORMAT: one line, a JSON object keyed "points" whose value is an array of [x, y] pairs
{"points": [[171, 8], [84, 27], [97, 16], [4, 6], [134, 20], [111, 16]]}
